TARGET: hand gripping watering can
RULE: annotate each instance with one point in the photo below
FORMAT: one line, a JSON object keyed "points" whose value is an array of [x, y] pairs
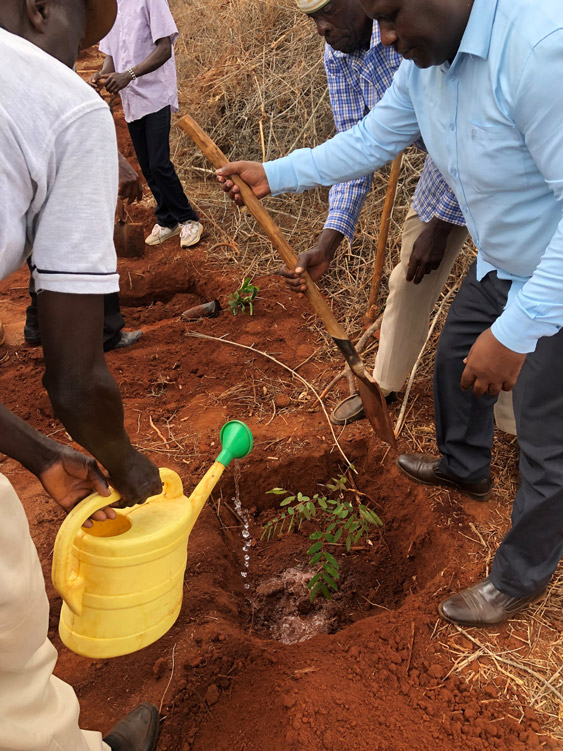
{"points": [[122, 579]]}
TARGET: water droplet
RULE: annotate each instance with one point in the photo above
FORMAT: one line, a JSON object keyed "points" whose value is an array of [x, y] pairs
{"points": [[243, 515]]}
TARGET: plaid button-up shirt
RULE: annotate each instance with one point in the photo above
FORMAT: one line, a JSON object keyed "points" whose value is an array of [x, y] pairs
{"points": [[356, 82]]}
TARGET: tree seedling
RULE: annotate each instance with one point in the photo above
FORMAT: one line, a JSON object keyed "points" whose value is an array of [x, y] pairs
{"points": [[339, 522], [242, 297]]}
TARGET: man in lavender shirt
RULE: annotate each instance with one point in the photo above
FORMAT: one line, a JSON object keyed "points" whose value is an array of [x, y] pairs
{"points": [[140, 66]]}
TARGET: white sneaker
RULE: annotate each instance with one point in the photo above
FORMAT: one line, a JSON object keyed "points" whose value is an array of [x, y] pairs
{"points": [[160, 234], [190, 234]]}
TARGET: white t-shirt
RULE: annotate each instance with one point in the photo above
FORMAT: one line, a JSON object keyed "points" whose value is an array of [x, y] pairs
{"points": [[58, 173]]}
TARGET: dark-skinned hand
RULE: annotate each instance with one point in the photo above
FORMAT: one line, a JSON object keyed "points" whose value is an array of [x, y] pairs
{"points": [[115, 82], [253, 174], [315, 261], [490, 367], [130, 186], [95, 81], [73, 476], [138, 480], [428, 250]]}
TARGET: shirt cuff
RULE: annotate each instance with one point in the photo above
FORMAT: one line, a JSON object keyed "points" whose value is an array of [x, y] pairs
{"points": [[516, 330], [341, 222], [281, 176]]}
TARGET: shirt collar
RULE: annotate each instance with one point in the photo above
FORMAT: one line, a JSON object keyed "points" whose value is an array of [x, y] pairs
{"points": [[375, 36], [361, 52], [476, 39]]}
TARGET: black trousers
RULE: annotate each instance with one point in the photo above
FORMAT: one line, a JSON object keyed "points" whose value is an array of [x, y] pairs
{"points": [[151, 140], [532, 549]]}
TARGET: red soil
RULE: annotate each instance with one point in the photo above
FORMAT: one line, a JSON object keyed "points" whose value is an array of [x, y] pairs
{"points": [[379, 679]]}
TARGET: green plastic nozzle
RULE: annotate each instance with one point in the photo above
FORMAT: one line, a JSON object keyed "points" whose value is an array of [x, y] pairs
{"points": [[236, 441]]}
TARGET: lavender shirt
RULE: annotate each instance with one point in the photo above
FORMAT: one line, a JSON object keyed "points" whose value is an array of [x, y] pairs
{"points": [[139, 24]]}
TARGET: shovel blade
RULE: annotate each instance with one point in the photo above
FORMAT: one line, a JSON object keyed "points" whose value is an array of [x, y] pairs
{"points": [[376, 410], [129, 240]]}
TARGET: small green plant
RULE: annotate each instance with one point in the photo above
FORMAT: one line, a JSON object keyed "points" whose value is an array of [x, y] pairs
{"points": [[242, 297], [339, 522]]}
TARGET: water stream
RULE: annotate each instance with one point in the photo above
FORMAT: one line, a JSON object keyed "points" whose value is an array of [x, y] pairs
{"points": [[244, 517]]}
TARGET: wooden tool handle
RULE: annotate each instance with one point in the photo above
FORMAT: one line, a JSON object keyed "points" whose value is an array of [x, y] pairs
{"points": [[218, 159], [384, 233]]}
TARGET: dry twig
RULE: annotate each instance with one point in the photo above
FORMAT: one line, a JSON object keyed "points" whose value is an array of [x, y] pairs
{"points": [[283, 365]]}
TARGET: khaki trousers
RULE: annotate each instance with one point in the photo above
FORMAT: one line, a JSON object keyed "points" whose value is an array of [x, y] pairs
{"points": [[38, 712], [405, 323]]}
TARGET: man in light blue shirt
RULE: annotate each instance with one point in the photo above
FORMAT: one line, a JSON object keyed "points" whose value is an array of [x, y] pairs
{"points": [[481, 84]]}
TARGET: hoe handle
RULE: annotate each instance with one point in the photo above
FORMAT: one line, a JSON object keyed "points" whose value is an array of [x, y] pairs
{"points": [[370, 393]]}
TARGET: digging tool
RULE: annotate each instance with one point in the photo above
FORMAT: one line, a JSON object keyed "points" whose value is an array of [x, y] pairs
{"points": [[129, 239], [382, 237], [372, 398]]}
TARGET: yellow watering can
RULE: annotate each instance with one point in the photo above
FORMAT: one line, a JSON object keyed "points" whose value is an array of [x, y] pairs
{"points": [[121, 580]]}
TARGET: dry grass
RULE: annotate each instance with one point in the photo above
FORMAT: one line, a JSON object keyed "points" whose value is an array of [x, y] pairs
{"points": [[251, 73], [259, 92]]}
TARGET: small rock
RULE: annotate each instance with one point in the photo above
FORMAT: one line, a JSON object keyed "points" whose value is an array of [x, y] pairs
{"points": [[435, 671], [159, 668], [212, 695], [282, 400]]}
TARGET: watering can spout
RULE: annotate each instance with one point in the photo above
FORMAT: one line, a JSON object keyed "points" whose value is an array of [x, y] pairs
{"points": [[236, 443]]}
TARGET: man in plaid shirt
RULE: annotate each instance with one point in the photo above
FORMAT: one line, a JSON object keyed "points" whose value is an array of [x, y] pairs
{"points": [[359, 70]]}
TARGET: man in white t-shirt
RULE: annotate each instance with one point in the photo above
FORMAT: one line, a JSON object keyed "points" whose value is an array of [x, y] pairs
{"points": [[54, 130]]}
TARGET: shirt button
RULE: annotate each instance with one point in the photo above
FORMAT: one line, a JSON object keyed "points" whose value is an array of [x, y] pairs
{"points": [[454, 173], [452, 126]]}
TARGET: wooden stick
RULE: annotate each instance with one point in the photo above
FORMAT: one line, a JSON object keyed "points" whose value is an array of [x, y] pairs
{"points": [[370, 393], [383, 235]]}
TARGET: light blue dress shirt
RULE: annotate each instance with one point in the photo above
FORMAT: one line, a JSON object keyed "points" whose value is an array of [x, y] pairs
{"points": [[493, 123], [356, 82]]}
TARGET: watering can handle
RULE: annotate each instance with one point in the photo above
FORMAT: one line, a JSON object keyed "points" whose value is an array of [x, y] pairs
{"points": [[66, 581]]}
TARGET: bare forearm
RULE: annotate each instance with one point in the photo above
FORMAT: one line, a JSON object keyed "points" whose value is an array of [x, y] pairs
{"points": [[329, 240], [156, 59], [81, 389], [23, 443], [92, 412], [108, 66]]}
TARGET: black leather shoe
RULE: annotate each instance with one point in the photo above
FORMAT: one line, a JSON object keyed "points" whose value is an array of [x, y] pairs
{"points": [[136, 732], [31, 335], [424, 469], [483, 605], [351, 409], [126, 339]]}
